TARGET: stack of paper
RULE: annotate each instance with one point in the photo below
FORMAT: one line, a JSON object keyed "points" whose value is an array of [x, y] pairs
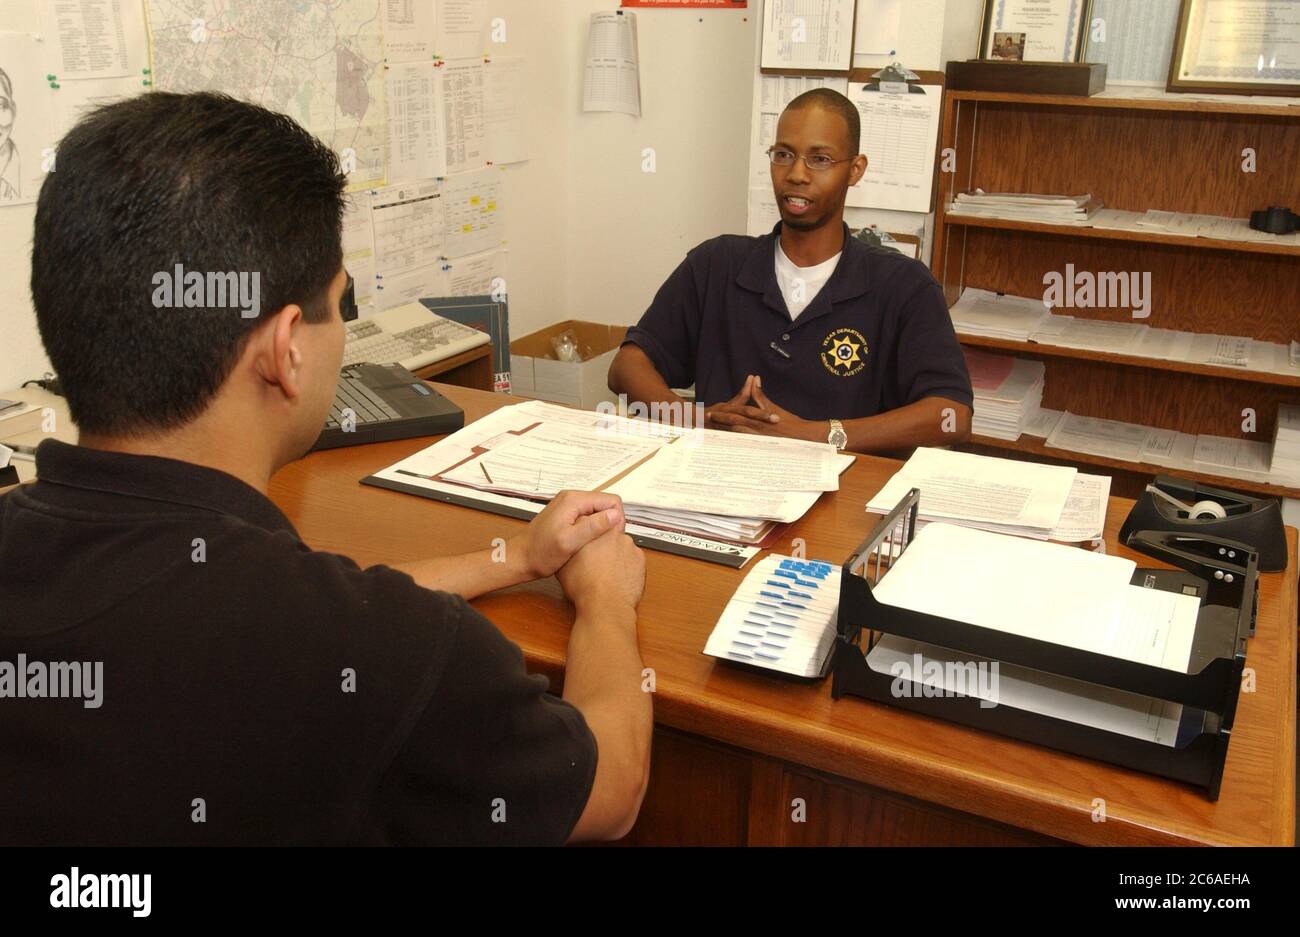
{"points": [[1048, 209], [781, 618], [1000, 495], [1286, 444], [1112, 439], [708, 484], [980, 312], [1067, 596], [1008, 393]]}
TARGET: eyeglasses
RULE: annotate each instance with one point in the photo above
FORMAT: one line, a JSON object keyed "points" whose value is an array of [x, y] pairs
{"points": [[817, 162], [348, 302]]}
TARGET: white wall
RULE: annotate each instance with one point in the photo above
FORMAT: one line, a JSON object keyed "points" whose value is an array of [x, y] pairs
{"points": [[590, 235], [629, 229]]}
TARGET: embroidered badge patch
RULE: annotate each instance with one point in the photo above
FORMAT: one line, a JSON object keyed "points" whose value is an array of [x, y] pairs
{"points": [[844, 352]]}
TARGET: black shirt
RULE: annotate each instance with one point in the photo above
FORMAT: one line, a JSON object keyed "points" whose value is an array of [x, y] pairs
{"points": [[876, 337], [226, 647]]}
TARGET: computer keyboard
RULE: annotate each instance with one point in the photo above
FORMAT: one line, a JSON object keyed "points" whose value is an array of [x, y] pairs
{"points": [[353, 394], [379, 402], [409, 335]]}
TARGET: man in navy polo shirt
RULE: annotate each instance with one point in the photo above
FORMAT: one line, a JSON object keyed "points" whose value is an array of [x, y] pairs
{"points": [[807, 332]]}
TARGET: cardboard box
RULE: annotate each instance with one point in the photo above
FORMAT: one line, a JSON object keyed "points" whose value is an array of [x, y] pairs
{"points": [[535, 371]]}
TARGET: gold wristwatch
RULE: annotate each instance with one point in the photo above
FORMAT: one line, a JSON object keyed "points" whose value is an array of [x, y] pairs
{"points": [[838, 438]]}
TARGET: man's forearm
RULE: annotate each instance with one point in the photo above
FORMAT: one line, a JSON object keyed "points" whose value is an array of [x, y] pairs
{"points": [[932, 421], [603, 679], [634, 375], [470, 575]]}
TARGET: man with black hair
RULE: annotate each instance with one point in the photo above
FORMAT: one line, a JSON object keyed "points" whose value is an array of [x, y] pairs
{"points": [[807, 332], [248, 689]]}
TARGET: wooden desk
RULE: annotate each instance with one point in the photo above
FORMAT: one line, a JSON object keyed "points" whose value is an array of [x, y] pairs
{"points": [[734, 749]]}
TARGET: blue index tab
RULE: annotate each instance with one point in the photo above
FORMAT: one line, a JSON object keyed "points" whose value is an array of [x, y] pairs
{"points": [[770, 595], [800, 595]]}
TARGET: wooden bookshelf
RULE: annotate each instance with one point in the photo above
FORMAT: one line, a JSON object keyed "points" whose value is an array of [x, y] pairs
{"points": [[1162, 153]]}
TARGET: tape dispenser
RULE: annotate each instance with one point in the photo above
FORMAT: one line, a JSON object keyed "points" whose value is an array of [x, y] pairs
{"points": [[1180, 505]]}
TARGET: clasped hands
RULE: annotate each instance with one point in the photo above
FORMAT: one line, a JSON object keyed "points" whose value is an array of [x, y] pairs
{"points": [[750, 411]]}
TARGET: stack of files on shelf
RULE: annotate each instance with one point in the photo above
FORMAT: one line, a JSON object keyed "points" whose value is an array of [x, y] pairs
{"points": [[1246, 459], [981, 312], [709, 484], [1112, 439], [1008, 496], [1007, 206], [1091, 334], [1008, 393], [995, 315], [1286, 444], [781, 618]]}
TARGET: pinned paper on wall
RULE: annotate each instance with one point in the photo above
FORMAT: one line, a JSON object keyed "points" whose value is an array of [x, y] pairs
{"points": [[809, 34], [409, 30], [415, 122], [464, 123], [408, 224], [25, 138], [877, 27], [94, 38], [505, 96], [612, 81], [359, 249], [900, 135], [462, 29], [475, 220]]}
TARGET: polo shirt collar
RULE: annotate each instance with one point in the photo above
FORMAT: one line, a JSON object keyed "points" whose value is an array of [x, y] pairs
{"points": [[150, 478], [849, 281]]}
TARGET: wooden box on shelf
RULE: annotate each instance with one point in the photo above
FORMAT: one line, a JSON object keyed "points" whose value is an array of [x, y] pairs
{"points": [[1082, 78]]}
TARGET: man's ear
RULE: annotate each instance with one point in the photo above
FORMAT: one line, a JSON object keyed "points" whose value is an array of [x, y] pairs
{"points": [[857, 169], [278, 350]]}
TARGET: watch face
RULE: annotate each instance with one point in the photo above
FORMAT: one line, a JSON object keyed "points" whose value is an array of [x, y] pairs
{"points": [[838, 438]]}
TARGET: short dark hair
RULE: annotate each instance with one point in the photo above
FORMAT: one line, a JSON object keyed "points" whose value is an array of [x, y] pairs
{"points": [[830, 100], [201, 180]]}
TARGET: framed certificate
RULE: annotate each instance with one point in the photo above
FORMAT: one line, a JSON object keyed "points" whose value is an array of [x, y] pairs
{"points": [[1237, 47], [1034, 30]]}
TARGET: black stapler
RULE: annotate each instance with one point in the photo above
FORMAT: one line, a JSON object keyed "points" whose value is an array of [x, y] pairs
{"points": [[1182, 506]]}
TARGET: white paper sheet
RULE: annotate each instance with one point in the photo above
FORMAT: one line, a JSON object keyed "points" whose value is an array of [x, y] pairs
{"points": [[26, 139], [1047, 591], [462, 29], [474, 211], [408, 227], [612, 78], [409, 28], [476, 274], [95, 38], [812, 34], [900, 134], [464, 120], [416, 149], [505, 104], [972, 487]]}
